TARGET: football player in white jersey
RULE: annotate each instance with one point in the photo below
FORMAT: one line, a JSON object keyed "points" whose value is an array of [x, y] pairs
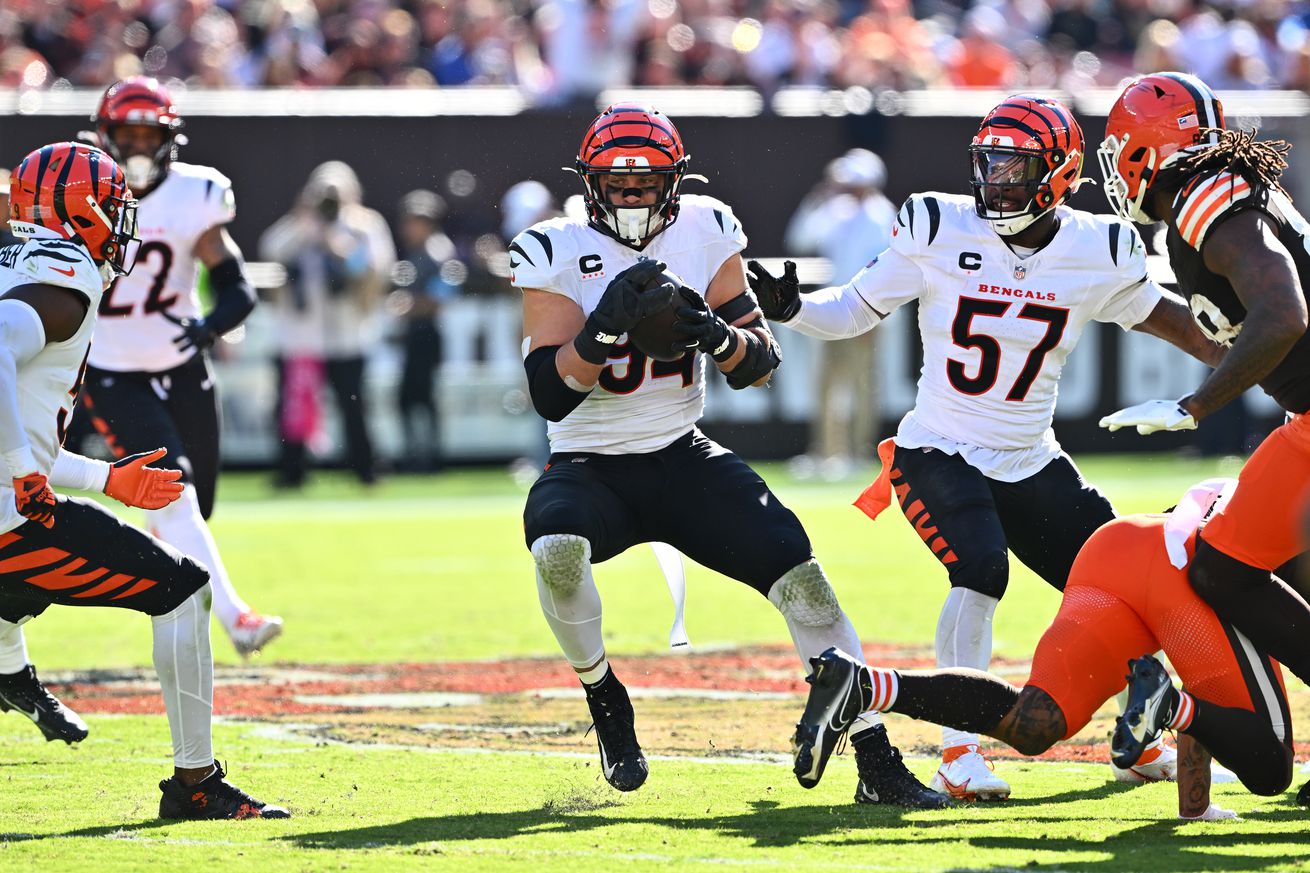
{"points": [[1006, 282], [628, 464], [149, 382], [71, 204]]}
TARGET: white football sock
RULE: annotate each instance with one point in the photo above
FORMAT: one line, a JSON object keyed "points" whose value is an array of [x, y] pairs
{"points": [[185, 666], [816, 622], [964, 639], [13, 648], [181, 525], [570, 601]]}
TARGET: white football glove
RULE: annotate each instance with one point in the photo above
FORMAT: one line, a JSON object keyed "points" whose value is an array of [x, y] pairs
{"points": [[1151, 416], [1213, 813]]}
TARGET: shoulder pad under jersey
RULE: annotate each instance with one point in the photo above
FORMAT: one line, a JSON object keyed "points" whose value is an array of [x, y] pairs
{"points": [[61, 263], [712, 216], [542, 252], [213, 192], [1203, 201]]}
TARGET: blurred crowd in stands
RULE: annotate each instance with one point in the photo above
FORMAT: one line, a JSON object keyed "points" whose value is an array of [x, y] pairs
{"points": [[559, 51]]}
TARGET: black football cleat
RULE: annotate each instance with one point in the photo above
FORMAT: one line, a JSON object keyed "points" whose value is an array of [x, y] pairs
{"points": [[1303, 796], [840, 690], [621, 759], [212, 798], [23, 692], [885, 779], [1151, 701]]}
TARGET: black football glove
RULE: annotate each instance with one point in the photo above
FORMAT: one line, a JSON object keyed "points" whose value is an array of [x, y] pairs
{"points": [[702, 329], [780, 298], [196, 333], [626, 301]]}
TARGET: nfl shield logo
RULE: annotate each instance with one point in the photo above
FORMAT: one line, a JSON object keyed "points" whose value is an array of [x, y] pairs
{"points": [[1020, 271]]}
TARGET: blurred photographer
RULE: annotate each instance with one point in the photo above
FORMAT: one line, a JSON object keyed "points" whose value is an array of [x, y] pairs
{"points": [[420, 289], [338, 255], [848, 220]]}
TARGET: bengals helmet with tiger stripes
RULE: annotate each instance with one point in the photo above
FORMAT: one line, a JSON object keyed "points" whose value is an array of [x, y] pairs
{"points": [[140, 100], [75, 191], [1026, 159], [1156, 121], [638, 140]]}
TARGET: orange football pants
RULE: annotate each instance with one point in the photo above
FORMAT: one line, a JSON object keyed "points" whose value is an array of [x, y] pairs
{"points": [[1263, 523], [1124, 600]]}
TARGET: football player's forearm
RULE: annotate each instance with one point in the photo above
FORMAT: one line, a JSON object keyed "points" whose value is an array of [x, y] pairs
{"points": [[1258, 349], [834, 313], [80, 473], [234, 297], [1172, 322], [1193, 777], [578, 374]]}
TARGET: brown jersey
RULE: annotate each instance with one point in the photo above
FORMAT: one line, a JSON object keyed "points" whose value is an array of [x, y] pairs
{"points": [[1203, 203]]}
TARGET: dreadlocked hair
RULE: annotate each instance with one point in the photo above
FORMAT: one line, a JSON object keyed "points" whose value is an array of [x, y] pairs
{"points": [[1259, 162]]}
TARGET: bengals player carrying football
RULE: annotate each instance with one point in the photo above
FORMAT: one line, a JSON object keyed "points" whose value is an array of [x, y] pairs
{"points": [[1006, 282], [628, 464]]}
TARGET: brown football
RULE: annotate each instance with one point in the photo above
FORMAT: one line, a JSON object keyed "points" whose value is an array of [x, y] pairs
{"points": [[654, 335]]}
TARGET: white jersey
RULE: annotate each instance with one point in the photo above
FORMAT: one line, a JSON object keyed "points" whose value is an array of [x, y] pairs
{"points": [[48, 384], [639, 405], [997, 327], [134, 334]]}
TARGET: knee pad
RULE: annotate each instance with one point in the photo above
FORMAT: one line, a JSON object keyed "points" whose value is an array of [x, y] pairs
{"points": [[804, 596], [561, 559], [1271, 780], [989, 574]]}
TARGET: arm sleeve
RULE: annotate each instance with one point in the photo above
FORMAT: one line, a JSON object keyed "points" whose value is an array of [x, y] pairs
{"points": [[79, 473], [862, 303], [234, 298], [22, 336]]}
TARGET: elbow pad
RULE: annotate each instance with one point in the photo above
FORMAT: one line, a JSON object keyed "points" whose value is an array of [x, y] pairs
{"points": [[741, 305], [234, 298], [552, 399], [762, 358]]}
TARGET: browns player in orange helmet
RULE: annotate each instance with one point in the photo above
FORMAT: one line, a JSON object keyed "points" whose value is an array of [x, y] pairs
{"points": [[71, 204], [1239, 249], [629, 464]]}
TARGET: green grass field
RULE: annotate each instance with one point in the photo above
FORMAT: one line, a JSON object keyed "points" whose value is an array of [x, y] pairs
{"points": [[434, 570]]}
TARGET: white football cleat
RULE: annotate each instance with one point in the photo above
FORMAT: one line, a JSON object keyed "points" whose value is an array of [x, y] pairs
{"points": [[253, 631], [966, 775], [1157, 763]]}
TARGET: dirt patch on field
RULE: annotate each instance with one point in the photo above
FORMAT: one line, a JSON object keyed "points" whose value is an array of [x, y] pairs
{"points": [[740, 703]]}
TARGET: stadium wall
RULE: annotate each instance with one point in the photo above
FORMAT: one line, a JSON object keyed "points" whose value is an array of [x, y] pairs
{"points": [[761, 156]]}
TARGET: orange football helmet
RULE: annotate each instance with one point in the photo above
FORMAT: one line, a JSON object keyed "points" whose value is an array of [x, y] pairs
{"points": [[144, 101], [1155, 122], [631, 139], [1026, 158], [76, 192]]}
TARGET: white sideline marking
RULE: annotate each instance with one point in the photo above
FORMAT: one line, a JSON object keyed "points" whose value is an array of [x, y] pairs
{"points": [[509, 730], [398, 700], [672, 694]]}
